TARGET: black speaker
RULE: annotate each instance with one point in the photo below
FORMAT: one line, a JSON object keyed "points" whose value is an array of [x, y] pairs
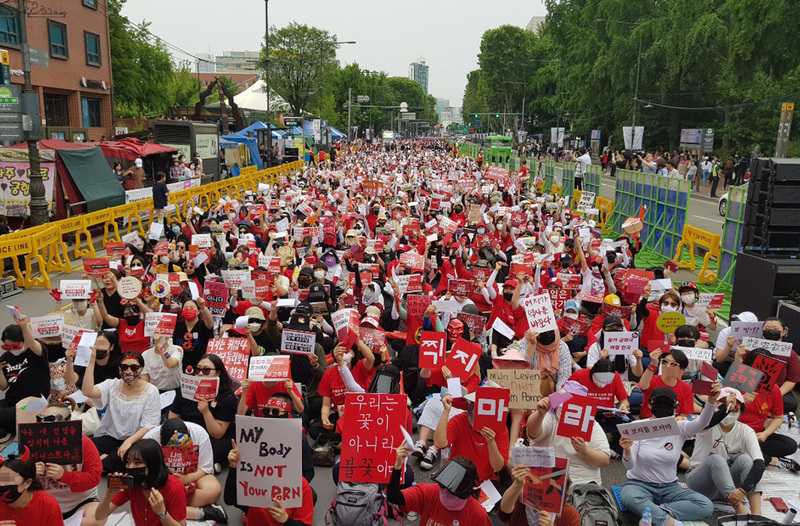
{"points": [[772, 218], [760, 282]]}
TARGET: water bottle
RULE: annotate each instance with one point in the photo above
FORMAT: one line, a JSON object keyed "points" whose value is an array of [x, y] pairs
{"points": [[785, 425], [646, 519]]}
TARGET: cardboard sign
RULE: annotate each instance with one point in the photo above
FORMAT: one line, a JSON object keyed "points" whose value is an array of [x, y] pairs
{"points": [[577, 418], [96, 267], [269, 368], [782, 349], [160, 322], [373, 338], [491, 408], [461, 287], [523, 385], [432, 346], [475, 322], [298, 342], [742, 377], [624, 342], [371, 437], [696, 353], [53, 442], [547, 489], [636, 280], [558, 297], [418, 303], [47, 326], [129, 287], [742, 329], [234, 353], [667, 322], [181, 460], [199, 388], [272, 462], [539, 311], [462, 358], [771, 368], [650, 428], [75, 288]]}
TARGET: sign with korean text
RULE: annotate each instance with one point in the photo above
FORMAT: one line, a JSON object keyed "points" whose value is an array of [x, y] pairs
{"points": [[373, 432], [96, 267], [742, 329], [523, 385], [199, 388], [160, 322], [650, 428], [15, 189], [181, 460], [636, 280], [491, 408], [298, 342], [742, 377], [53, 442], [558, 297], [710, 301], [234, 353], [771, 368], [345, 321], [782, 349], [622, 342], [432, 346], [577, 418], [461, 287], [463, 358], [696, 353], [539, 311], [234, 278], [418, 303], [269, 368], [576, 327], [47, 326], [373, 338], [570, 281], [409, 283], [75, 288], [546, 488], [475, 322], [623, 311], [271, 462]]}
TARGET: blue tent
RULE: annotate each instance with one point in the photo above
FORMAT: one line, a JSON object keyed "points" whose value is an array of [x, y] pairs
{"points": [[233, 140], [336, 134]]}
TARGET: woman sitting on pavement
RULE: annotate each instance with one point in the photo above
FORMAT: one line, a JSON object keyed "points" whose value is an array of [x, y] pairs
{"points": [[22, 500], [514, 513]]}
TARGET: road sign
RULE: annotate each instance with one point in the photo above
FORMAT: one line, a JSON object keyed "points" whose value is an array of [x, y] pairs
{"points": [[363, 98], [410, 116], [39, 57], [7, 97], [477, 121]]}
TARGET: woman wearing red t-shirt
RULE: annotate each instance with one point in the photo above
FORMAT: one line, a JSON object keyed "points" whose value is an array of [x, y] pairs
{"points": [[255, 395], [670, 301], [604, 385], [22, 501], [512, 510], [129, 327], [156, 496]]}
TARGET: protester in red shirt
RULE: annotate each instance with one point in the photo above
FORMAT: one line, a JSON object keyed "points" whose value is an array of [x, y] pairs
{"points": [[255, 395], [673, 365], [22, 501], [670, 301], [130, 327]]}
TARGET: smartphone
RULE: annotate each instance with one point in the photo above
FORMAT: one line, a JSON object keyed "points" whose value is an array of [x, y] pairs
{"points": [[120, 482], [779, 504]]}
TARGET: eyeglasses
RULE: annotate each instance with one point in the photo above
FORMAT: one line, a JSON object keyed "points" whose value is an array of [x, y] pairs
{"points": [[134, 368], [274, 411], [670, 304], [50, 418], [665, 363], [204, 370]]}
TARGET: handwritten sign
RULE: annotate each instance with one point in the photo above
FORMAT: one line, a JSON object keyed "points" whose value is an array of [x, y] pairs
{"points": [[577, 418], [130, 287], [432, 346], [771, 368], [234, 353], [623, 342], [782, 349], [216, 297], [418, 303], [372, 433], [181, 460], [53, 442], [523, 385], [742, 377], [491, 408], [269, 368], [696, 353], [199, 388], [462, 359], [272, 463], [533, 456], [47, 326], [667, 322], [539, 311], [546, 489], [742, 329], [650, 428], [298, 342]]}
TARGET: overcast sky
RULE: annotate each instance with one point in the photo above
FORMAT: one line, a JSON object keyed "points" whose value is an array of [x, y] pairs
{"points": [[389, 35]]}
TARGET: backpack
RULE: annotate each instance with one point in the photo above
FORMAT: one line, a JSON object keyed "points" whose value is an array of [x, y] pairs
{"points": [[595, 505], [358, 504]]}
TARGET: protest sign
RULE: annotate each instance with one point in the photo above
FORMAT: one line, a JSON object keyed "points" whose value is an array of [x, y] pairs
{"points": [[539, 311], [570, 281], [373, 338], [199, 388], [491, 408], [269, 368], [577, 418], [650, 428], [412, 260], [96, 267], [345, 321], [475, 322], [523, 385], [636, 280], [75, 288], [181, 460], [667, 322], [777, 348], [130, 287], [771, 367], [53, 442], [622, 342], [418, 303], [696, 353], [517, 268], [47, 326], [203, 241], [658, 287], [576, 327], [271, 463], [533, 456], [234, 353], [298, 342], [463, 358], [742, 377], [710, 301], [742, 329], [547, 487], [160, 322], [371, 437], [432, 346], [83, 344], [558, 297], [234, 278], [461, 287], [702, 387], [68, 334], [623, 311], [160, 288], [115, 250]]}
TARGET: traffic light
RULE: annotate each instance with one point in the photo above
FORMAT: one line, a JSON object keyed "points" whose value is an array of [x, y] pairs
{"points": [[497, 115], [476, 115]]}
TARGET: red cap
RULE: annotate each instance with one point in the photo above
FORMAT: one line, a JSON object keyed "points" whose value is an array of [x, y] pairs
{"points": [[510, 283], [555, 281]]}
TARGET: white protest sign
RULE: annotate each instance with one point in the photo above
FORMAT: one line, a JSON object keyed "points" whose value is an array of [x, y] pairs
{"points": [[621, 342], [282, 225], [84, 352], [587, 201], [271, 463], [269, 368], [133, 239], [69, 333], [696, 353], [501, 327], [781, 349], [539, 311], [152, 320], [129, 287], [156, 229], [650, 428], [742, 329], [234, 278], [75, 288], [454, 387], [298, 342], [47, 326], [534, 457], [658, 287], [203, 241], [199, 387]]}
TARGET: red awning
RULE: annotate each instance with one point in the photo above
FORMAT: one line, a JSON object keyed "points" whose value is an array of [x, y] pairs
{"points": [[131, 148]]}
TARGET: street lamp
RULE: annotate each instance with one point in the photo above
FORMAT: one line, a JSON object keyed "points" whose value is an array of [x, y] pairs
{"points": [[266, 59], [320, 69], [638, 60]]}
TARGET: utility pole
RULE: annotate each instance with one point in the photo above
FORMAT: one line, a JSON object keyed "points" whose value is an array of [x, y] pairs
{"points": [[784, 128], [636, 90], [30, 113], [269, 113], [349, 109]]}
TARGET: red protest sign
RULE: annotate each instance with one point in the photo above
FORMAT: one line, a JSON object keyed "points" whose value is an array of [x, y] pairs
{"points": [[462, 359], [743, 377], [516, 268], [174, 284], [548, 487], [410, 230], [234, 353], [475, 322], [414, 283], [771, 368], [559, 297], [461, 287], [623, 312], [95, 267], [216, 296], [114, 249], [373, 338], [344, 322], [481, 273], [412, 260], [491, 408], [418, 303], [371, 436], [570, 281], [432, 347], [366, 277], [161, 249], [575, 327], [577, 418], [636, 280], [181, 460]]}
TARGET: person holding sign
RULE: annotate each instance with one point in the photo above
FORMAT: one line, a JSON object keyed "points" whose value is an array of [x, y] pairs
{"points": [[670, 301], [255, 396], [652, 466], [22, 500], [775, 330], [130, 325], [109, 296], [106, 365], [162, 364], [696, 315], [82, 313], [550, 355], [673, 365], [724, 348], [215, 416], [727, 463], [156, 497], [132, 408], [451, 498], [514, 513], [622, 364]]}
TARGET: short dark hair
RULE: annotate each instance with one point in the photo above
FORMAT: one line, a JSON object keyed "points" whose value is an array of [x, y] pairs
{"points": [[160, 176], [14, 333], [687, 331], [680, 357], [25, 469], [169, 427], [149, 452], [603, 365], [751, 356]]}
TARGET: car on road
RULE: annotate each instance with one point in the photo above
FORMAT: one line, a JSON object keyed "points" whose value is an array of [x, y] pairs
{"points": [[722, 206]]}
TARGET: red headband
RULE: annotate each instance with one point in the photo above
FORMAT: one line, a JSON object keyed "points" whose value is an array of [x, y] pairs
{"points": [[280, 404]]}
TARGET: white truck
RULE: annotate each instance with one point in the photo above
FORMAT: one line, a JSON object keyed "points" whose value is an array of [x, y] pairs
{"points": [[388, 136]]}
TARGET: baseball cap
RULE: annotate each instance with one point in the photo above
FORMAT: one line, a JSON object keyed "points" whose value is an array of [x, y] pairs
{"points": [[664, 392], [611, 321]]}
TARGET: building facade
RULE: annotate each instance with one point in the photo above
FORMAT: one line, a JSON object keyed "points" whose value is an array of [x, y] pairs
{"points": [[418, 71], [71, 65]]}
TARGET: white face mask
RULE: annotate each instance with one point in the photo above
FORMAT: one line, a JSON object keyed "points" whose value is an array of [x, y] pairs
{"points": [[164, 260], [668, 308], [481, 231], [688, 299], [730, 419], [554, 240], [254, 326], [348, 358], [571, 315], [602, 379], [80, 305], [319, 274]]}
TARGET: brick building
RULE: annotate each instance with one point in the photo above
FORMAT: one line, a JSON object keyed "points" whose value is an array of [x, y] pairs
{"points": [[74, 87]]}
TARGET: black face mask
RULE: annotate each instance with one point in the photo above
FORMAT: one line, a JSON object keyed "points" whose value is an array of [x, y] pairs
{"points": [[101, 354], [772, 334], [139, 475], [375, 212], [10, 493], [685, 343], [304, 282], [547, 338], [660, 410], [508, 296], [132, 320]]}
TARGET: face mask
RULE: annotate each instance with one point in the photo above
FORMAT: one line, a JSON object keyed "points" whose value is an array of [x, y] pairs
{"points": [[330, 262], [132, 320], [375, 212], [348, 358], [602, 379], [101, 355], [319, 274], [368, 292], [730, 418], [662, 410], [304, 282], [80, 305], [685, 343], [164, 260], [481, 231], [554, 240], [571, 315], [139, 475], [10, 493], [508, 296], [772, 334], [668, 308], [450, 501], [547, 338], [176, 230], [688, 299], [189, 314], [254, 326]]}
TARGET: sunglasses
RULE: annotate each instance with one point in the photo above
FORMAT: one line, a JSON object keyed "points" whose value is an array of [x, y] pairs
{"points": [[670, 304], [665, 363], [12, 347], [134, 368], [50, 418], [204, 370], [274, 411]]}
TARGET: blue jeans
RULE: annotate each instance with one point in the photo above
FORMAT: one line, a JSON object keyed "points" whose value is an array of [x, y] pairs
{"points": [[682, 504], [705, 176]]}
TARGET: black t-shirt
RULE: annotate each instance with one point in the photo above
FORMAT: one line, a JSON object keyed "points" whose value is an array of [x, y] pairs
{"points": [[28, 375], [113, 306], [109, 371], [195, 346], [223, 409], [160, 191]]}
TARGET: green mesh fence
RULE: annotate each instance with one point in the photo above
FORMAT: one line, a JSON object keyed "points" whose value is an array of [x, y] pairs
{"points": [[592, 179]]}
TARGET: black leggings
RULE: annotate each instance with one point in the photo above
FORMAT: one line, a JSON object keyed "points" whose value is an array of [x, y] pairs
{"points": [[777, 445], [108, 445]]}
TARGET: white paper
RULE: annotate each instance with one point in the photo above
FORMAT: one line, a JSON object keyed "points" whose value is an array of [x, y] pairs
{"points": [[169, 208], [282, 225], [287, 302], [14, 312], [500, 326], [494, 496], [409, 440], [658, 287], [198, 210], [84, 352], [454, 387], [532, 456], [194, 290], [432, 237], [199, 259], [156, 229], [696, 353], [166, 398]]}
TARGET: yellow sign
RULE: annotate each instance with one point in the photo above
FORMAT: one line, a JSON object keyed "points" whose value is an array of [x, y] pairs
{"points": [[4, 57], [786, 106], [669, 321]]}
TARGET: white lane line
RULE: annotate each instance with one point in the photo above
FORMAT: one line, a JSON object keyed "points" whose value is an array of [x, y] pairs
{"points": [[709, 219]]}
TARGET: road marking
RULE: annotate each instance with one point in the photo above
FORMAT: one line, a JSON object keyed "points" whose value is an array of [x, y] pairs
{"points": [[709, 219]]}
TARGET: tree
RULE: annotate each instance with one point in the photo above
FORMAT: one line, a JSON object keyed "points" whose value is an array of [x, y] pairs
{"points": [[141, 69], [183, 89], [298, 55]]}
